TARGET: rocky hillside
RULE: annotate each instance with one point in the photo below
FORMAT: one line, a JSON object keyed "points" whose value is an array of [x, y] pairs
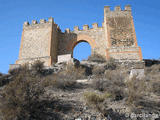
{"points": [[91, 90]]}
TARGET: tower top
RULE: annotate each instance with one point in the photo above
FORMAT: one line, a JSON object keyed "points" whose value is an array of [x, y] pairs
{"points": [[118, 8]]}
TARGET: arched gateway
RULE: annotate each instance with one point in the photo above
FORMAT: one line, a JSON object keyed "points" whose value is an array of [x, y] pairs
{"points": [[81, 51], [83, 38], [115, 38]]}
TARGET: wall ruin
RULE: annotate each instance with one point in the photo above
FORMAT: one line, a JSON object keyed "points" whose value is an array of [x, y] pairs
{"points": [[116, 38]]}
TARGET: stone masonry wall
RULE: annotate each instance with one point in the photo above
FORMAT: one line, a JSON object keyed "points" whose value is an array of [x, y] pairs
{"points": [[116, 38], [39, 41], [94, 36], [120, 32]]}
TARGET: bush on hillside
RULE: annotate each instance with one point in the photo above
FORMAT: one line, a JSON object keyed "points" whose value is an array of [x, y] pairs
{"points": [[20, 97], [94, 99], [136, 90], [38, 67], [96, 58], [98, 70], [156, 87], [110, 64], [66, 79], [22, 69], [111, 82], [97, 101], [153, 78], [4, 80], [1, 74]]}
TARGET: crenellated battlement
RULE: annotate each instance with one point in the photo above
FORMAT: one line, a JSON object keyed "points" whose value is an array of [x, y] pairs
{"points": [[41, 22], [115, 38], [85, 28], [117, 8]]}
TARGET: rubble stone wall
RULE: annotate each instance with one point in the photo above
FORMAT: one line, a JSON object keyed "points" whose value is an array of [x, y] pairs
{"points": [[116, 38]]}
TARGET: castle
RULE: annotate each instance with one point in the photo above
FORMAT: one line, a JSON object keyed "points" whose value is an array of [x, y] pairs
{"points": [[116, 38]]}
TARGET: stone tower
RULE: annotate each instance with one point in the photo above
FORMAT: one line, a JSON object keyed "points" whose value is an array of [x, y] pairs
{"points": [[120, 34], [116, 38], [39, 42]]}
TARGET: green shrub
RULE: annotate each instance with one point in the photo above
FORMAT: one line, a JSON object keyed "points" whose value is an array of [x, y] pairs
{"points": [[96, 58]]}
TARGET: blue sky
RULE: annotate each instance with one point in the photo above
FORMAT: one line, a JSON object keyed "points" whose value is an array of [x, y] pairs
{"points": [[81, 51], [69, 13]]}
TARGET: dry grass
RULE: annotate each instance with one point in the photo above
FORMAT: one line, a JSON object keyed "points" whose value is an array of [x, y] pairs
{"points": [[4, 80], [98, 70], [21, 96], [153, 78], [65, 79], [112, 82], [136, 90], [96, 58], [153, 70], [1, 74], [73, 72], [97, 101], [94, 99], [38, 67], [110, 64]]}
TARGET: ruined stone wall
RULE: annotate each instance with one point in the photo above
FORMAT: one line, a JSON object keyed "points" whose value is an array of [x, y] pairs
{"points": [[54, 43], [115, 38], [120, 34], [38, 42], [94, 36]]}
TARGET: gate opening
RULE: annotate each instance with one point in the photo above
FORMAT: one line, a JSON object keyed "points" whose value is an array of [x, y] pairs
{"points": [[82, 51]]}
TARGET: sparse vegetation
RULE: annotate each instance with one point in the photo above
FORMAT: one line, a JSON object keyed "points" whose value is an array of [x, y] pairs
{"points": [[156, 87], [21, 96], [98, 70], [136, 90], [73, 72], [110, 64], [1, 74], [38, 67], [112, 82], [66, 79], [4, 80], [96, 100], [109, 85], [153, 78], [24, 68], [96, 58], [93, 98]]}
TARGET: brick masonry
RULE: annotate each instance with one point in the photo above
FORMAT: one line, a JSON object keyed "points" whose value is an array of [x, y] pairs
{"points": [[116, 38]]}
